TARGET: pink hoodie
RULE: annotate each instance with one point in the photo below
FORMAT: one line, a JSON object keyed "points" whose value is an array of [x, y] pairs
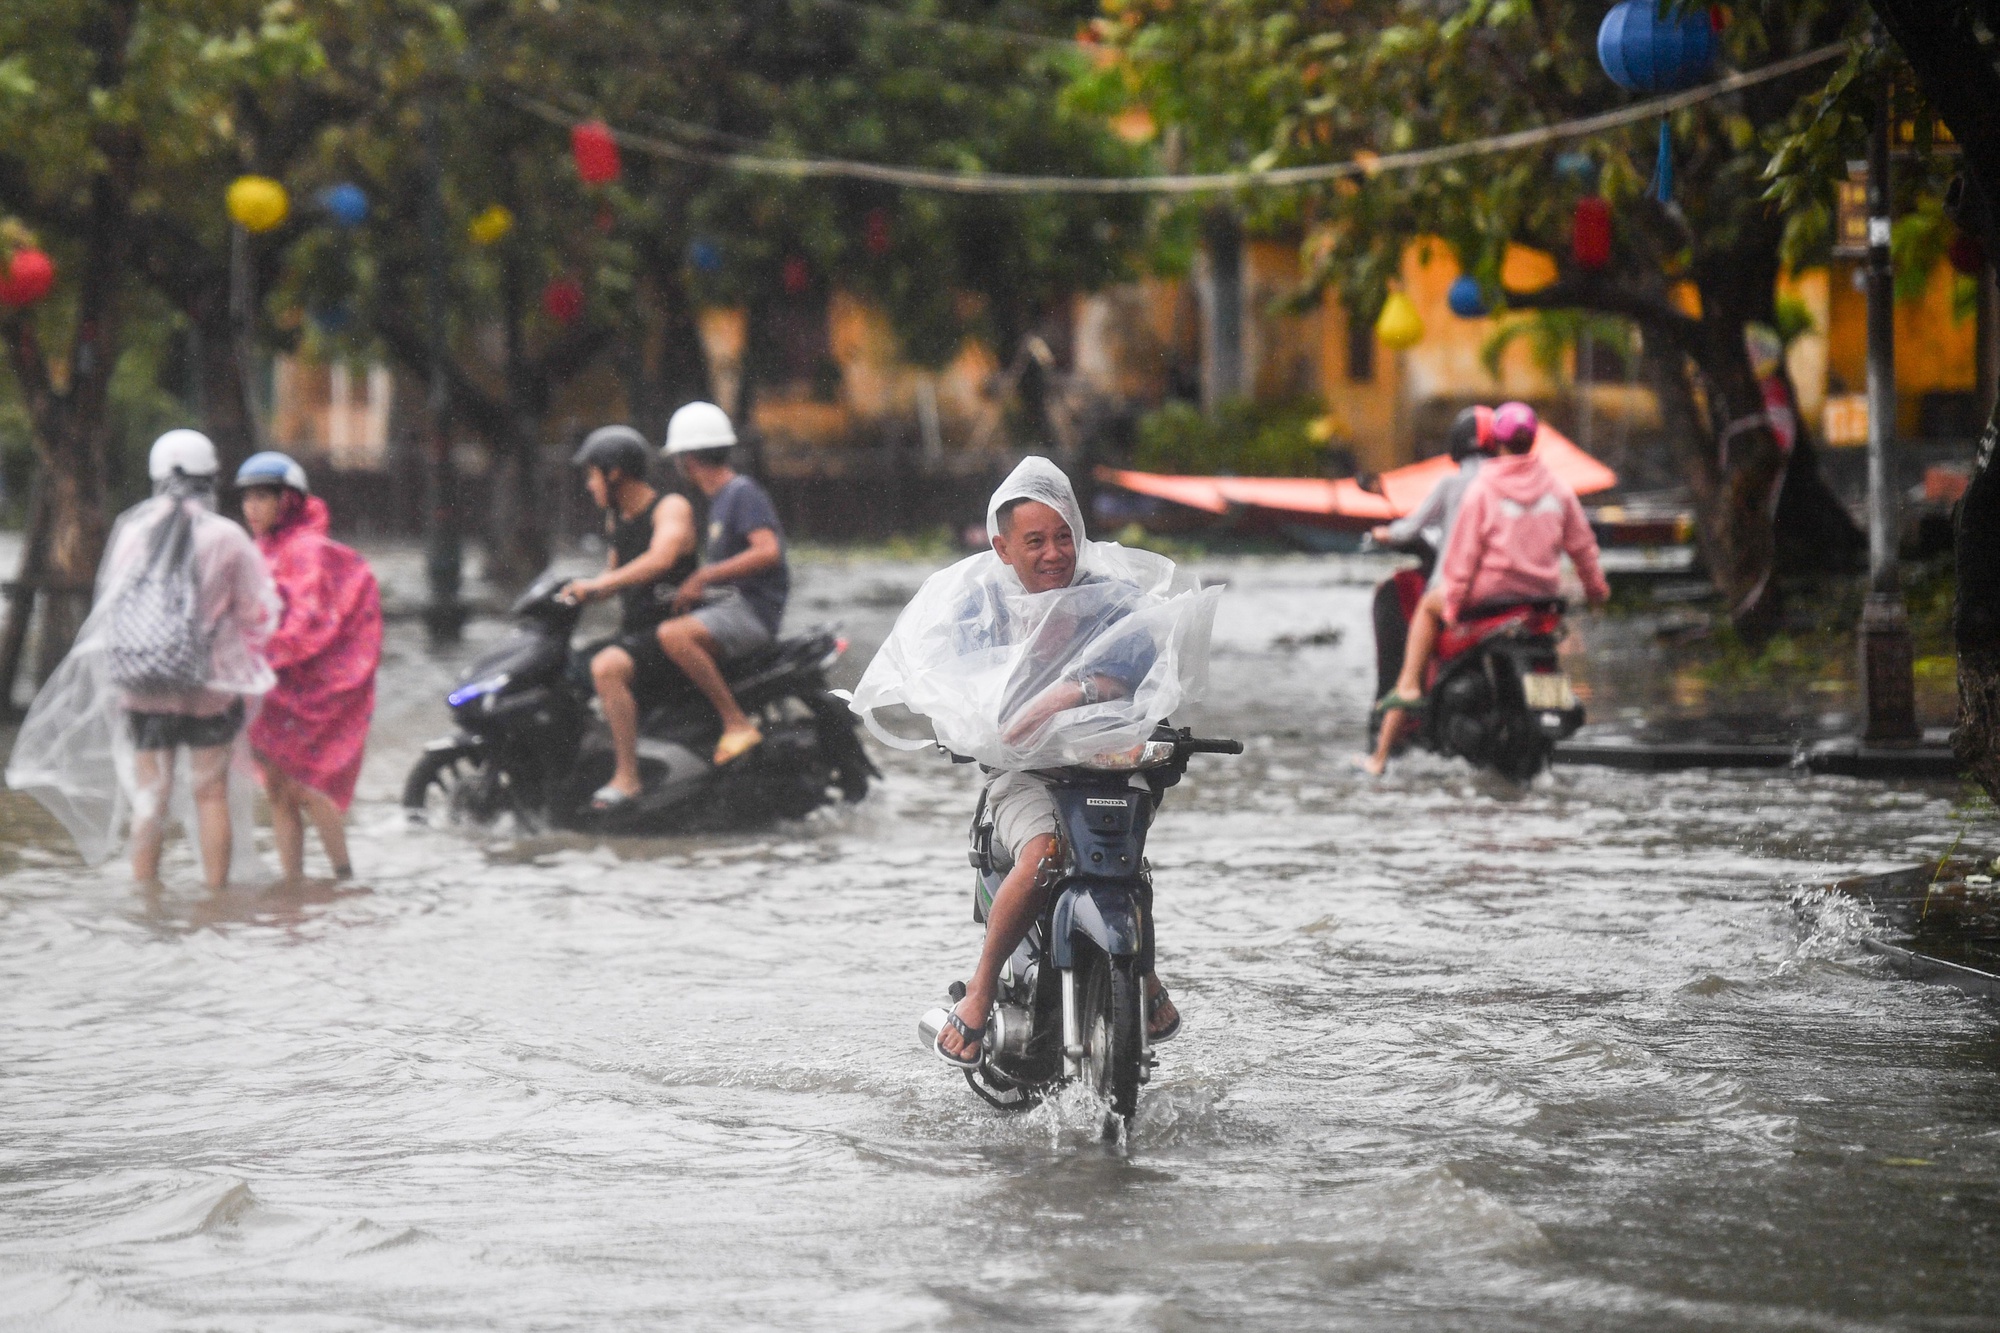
{"points": [[1513, 526]]}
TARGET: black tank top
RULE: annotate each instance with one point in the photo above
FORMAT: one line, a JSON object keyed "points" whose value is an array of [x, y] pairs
{"points": [[646, 604]]}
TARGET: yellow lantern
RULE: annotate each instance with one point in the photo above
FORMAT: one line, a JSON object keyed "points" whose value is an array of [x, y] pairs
{"points": [[491, 226], [1399, 326], [257, 203]]}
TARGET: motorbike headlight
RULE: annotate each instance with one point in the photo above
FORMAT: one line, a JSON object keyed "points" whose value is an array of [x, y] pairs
{"points": [[465, 694], [1149, 755]]}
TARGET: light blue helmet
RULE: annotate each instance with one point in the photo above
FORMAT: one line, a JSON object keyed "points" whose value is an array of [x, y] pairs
{"points": [[272, 468]]}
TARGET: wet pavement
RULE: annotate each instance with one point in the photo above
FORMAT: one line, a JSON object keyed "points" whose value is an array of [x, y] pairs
{"points": [[1458, 1055]]}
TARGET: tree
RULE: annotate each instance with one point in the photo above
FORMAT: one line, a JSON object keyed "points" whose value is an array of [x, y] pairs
{"points": [[1951, 46], [1297, 82]]}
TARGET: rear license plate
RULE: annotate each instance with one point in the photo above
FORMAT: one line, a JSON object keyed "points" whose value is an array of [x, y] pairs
{"points": [[1548, 689]]}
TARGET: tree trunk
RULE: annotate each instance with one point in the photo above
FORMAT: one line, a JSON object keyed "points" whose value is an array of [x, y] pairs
{"points": [[225, 410], [518, 529]]}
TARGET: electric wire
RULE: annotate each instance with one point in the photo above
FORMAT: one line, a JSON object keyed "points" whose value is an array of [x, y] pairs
{"points": [[981, 182]]}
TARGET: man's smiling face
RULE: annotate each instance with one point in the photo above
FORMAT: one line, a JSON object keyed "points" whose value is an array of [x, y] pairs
{"points": [[1037, 545]]}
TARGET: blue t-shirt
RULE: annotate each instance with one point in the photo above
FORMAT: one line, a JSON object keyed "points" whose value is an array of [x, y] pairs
{"points": [[734, 512]]}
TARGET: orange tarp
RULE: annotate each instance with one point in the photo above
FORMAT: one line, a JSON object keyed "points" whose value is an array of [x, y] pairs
{"points": [[1402, 489]]}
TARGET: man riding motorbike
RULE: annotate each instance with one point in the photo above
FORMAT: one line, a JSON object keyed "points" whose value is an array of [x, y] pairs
{"points": [[651, 536], [1426, 528], [1513, 525], [735, 601]]}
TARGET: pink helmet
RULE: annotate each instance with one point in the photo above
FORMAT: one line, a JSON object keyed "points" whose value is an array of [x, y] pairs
{"points": [[1515, 426]]}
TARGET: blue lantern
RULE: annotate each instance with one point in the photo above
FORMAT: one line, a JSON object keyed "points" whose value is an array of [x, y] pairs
{"points": [[1645, 51], [331, 320], [705, 255], [345, 203], [1467, 298]]}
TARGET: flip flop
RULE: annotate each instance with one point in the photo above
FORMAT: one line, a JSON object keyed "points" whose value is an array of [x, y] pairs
{"points": [[608, 798], [1152, 1008], [1393, 700], [735, 744], [977, 1036]]}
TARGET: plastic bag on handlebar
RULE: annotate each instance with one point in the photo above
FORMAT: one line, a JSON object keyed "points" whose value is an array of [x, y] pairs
{"points": [[980, 656]]}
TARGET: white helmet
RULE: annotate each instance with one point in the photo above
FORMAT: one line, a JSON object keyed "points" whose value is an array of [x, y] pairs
{"points": [[188, 452], [699, 426]]}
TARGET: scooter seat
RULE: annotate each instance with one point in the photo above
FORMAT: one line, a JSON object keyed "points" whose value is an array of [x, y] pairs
{"points": [[1478, 624]]}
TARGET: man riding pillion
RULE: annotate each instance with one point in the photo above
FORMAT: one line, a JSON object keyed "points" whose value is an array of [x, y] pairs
{"points": [[1515, 523], [651, 536], [735, 601], [1045, 648]]}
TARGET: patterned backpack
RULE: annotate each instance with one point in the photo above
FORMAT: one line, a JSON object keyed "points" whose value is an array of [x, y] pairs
{"points": [[156, 636]]}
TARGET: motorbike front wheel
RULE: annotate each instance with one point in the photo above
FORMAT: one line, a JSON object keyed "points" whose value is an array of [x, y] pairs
{"points": [[1109, 1010], [455, 784]]}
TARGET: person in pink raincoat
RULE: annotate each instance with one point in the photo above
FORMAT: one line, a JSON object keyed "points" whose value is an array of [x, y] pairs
{"points": [[310, 734]]}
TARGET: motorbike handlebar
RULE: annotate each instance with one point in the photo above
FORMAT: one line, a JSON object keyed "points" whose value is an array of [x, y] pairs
{"points": [[1196, 745]]}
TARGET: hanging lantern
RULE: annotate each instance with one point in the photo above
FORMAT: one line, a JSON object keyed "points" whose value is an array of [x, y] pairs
{"points": [[605, 221], [331, 320], [596, 152], [491, 226], [875, 232], [1967, 254], [1467, 298], [257, 203], [705, 255], [1645, 51], [30, 276], [1590, 235], [345, 203], [1399, 326], [562, 300], [796, 276]]}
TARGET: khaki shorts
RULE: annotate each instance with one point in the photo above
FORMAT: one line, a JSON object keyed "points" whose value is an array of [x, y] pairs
{"points": [[1022, 810], [725, 613]]}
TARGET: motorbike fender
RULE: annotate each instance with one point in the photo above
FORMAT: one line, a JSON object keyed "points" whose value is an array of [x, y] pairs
{"points": [[1104, 912]]}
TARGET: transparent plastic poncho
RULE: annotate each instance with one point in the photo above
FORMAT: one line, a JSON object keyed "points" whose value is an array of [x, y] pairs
{"points": [[75, 752], [982, 658]]}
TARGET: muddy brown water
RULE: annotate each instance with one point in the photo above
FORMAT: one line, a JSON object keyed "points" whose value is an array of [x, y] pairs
{"points": [[1457, 1056]]}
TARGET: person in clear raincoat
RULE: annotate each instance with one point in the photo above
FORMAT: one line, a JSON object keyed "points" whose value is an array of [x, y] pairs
{"points": [[1047, 650], [147, 713]]}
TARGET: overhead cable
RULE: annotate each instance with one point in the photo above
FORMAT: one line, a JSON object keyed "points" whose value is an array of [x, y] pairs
{"points": [[983, 182]]}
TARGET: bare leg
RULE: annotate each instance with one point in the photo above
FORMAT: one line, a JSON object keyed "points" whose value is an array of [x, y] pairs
{"points": [[689, 645], [154, 774], [1015, 907], [331, 821], [611, 672], [211, 807], [1163, 1019], [287, 829], [1425, 626]]}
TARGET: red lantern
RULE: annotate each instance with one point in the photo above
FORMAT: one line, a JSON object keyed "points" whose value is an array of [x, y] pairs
{"points": [[562, 300], [796, 276], [596, 152], [1590, 239], [875, 232], [30, 275], [1967, 254]]}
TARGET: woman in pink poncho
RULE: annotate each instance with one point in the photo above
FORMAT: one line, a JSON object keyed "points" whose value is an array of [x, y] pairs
{"points": [[309, 736]]}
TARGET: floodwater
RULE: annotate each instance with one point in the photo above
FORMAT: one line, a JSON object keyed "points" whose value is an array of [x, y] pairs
{"points": [[1456, 1056]]}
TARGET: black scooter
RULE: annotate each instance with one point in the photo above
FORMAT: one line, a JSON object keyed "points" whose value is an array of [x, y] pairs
{"points": [[1071, 1001], [528, 745]]}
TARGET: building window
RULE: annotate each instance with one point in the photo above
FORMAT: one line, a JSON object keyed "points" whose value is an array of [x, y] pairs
{"points": [[1360, 350]]}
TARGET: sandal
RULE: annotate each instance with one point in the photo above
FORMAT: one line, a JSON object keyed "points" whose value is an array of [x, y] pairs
{"points": [[735, 744], [608, 798], [1152, 1010], [976, 1036]]}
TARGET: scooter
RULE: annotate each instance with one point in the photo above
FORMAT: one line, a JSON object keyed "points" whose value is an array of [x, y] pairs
{"points": [[1071, 1001], [529, 746]]}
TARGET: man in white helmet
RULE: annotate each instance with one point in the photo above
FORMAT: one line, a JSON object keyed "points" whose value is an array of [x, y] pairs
{"points": [[735, 601], [169, 662]]}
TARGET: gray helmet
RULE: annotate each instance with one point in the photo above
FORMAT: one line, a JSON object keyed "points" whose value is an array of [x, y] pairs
{"points": [[618, 447]]}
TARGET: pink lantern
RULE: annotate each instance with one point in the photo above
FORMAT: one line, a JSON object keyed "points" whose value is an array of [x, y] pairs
{"points": [[796, 276], [1590, 239], [30, 275], [562, 300], [875, 232], [596, 152]]}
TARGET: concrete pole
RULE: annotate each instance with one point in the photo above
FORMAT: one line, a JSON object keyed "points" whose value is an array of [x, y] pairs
{"points": [[444, 614], [1888, 682]]}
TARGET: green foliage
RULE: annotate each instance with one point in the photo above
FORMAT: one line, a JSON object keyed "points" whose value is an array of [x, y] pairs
{"points": [[1551, 334], [1242, 438]]}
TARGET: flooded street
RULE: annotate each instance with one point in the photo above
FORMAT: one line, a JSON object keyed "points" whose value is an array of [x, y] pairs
{"points": [[1457, 1055]]}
